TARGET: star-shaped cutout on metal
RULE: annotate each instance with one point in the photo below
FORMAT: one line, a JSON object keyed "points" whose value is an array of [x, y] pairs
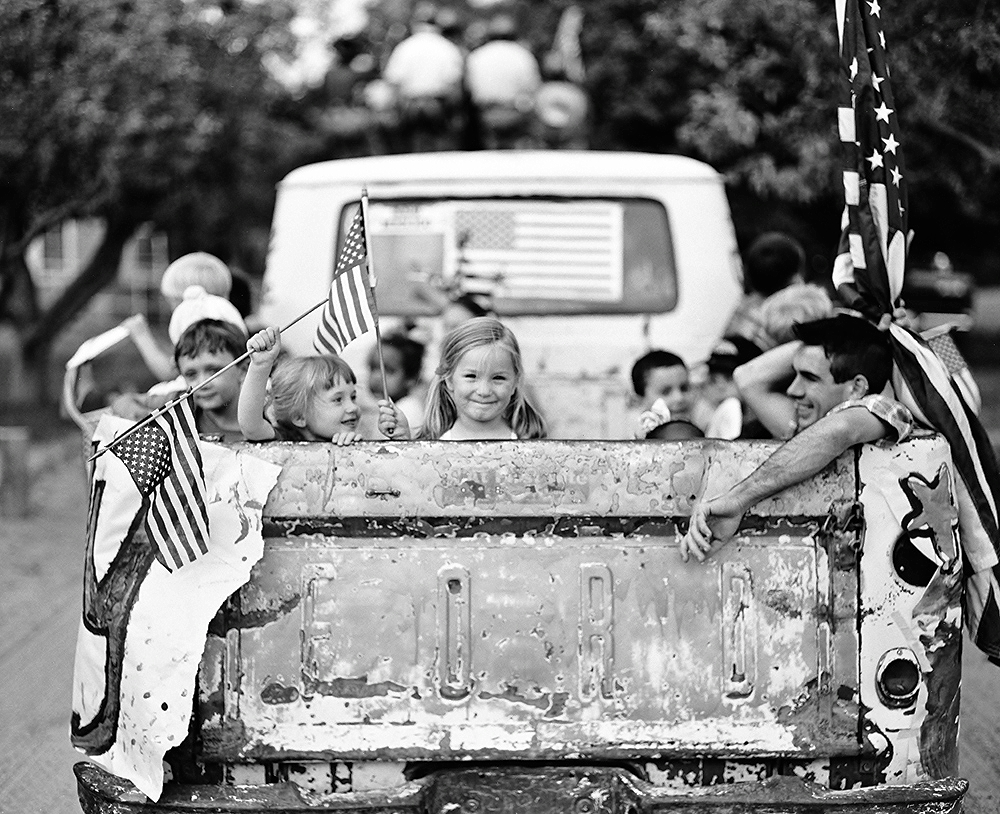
{"points": [[875, 159], [890, 144], [882, 113], [933, 511]]}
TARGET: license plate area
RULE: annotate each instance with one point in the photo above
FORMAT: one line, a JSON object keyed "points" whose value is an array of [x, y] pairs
{"points": [[535, 645]]}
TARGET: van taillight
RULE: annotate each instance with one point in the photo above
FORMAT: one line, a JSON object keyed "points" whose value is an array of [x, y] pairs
{"points": [[897, 678]]}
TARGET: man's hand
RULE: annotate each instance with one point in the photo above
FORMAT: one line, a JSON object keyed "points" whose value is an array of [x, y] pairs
{"points": [[712, 521]]}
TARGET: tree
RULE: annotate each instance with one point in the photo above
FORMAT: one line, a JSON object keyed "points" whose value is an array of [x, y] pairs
{"points": [[119, 109]]}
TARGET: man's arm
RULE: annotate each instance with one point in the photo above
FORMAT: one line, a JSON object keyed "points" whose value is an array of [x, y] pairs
{"points": [[809, 452], [759, 381]]}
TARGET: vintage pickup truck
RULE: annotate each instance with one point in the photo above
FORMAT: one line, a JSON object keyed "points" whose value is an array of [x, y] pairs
{"points": [[508, 627]]}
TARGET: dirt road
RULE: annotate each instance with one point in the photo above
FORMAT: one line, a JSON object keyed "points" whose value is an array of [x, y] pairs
{"points": [[40, 565]]}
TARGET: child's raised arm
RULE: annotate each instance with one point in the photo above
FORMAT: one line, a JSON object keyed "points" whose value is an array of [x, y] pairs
{"points": [[264, 347]]}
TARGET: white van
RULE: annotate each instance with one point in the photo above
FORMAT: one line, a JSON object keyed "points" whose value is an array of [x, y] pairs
{"points": [[592, 258]]}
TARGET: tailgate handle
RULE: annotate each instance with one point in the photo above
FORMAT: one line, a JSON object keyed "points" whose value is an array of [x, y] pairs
{"points": [[597, 643], [454, 621], [739, 635]]}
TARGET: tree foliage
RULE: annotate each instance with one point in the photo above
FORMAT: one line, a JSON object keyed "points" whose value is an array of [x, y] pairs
{"points": [[132, 111]]}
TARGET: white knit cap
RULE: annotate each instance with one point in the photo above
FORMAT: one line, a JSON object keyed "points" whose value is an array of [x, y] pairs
{"points": [[197, 268], [197, 305]]}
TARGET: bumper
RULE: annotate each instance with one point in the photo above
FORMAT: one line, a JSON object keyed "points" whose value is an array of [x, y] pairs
{"points": [[577, 790]]}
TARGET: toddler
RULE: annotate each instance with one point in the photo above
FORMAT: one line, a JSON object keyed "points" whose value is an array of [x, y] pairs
{"points": [[313, 398], [478, 392], [661, 374], [403, 359]]}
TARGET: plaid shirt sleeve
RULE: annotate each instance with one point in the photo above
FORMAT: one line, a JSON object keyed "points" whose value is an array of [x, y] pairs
{"points": [[890, 411]]}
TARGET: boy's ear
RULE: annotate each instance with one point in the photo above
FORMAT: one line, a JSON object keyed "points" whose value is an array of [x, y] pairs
{"points": [[299, 421]]}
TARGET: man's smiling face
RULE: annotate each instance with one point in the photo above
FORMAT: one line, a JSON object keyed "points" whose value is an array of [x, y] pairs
{"points": [[813, 388]]}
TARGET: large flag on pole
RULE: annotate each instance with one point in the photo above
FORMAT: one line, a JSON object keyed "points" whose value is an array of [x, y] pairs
{"points": [[350, 309], [868, 274]]}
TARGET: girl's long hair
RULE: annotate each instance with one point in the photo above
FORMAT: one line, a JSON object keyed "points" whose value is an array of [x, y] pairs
{"points": [[296, 380], [522, 416]]}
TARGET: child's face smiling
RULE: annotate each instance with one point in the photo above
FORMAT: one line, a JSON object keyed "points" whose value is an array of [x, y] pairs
{"points": [[220, 393], [333, 410], [483, 384]]}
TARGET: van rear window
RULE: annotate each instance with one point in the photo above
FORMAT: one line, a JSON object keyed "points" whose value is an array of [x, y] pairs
{"points": [[532, 255]]}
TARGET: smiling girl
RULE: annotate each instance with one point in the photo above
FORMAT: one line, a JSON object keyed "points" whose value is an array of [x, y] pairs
{"points": [[313, 398], [478, 389]]}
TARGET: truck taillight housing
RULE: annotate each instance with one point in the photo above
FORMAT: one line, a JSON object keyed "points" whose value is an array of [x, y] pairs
{"points": [[897, 678]]}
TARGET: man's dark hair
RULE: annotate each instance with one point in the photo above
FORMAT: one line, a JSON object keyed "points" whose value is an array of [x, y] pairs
{"points": [[411, 351], [211, 335], [772, 261], [651, 361], [853, 345]]}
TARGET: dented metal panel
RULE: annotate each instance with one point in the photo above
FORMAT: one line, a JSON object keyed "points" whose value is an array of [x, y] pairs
{"points": [[542, 478], [528, 601]]}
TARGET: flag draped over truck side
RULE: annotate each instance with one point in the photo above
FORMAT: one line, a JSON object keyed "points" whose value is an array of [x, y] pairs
{"points": [[868, 274], [143, 626]]}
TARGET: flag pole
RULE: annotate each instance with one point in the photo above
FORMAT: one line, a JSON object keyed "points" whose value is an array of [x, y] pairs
{"points": [[371, 283], [188, 393]]}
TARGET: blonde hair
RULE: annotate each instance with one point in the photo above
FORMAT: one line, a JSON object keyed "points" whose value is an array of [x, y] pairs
{"points": [[295, 381], [801, 302], [521, 415]]}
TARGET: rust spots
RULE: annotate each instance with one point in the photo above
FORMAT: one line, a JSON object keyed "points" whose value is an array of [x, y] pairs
{"points": [[277, 693], [349, 687], [784, 602], [554, 704], [939, 730]]}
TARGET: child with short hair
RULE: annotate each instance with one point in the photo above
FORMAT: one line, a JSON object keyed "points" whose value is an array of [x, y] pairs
{"points": [[202, 350], [478, 391], [313, 398], [660, 374]]}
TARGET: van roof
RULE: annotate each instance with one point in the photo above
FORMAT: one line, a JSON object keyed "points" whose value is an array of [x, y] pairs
{"points": [[501, 164]]}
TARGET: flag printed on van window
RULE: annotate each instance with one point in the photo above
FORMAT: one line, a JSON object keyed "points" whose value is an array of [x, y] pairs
{"points": [[165, 463], [350, 309], [541, 249]]}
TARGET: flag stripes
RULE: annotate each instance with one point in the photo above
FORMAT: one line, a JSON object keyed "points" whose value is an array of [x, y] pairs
{"points": [[350, 309], [868, 274], [165, 463]]}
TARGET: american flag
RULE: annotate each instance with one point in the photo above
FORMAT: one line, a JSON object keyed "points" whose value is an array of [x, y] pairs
{"points": [[541, 249], [165, 463], [350, 309], [868, 274]]}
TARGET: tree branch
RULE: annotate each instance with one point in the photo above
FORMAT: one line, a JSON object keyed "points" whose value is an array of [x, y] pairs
{"points": [[987, 153], [79, 206], [100, 271]]}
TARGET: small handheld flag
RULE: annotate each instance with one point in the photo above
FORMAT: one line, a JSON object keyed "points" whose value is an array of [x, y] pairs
{"points": [[165, 463], [350, 310]]}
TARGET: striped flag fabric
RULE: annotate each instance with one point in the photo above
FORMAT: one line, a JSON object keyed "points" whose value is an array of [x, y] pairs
{"points": [[350, 308], [541, 249], [165, 462], [868, 274]]}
